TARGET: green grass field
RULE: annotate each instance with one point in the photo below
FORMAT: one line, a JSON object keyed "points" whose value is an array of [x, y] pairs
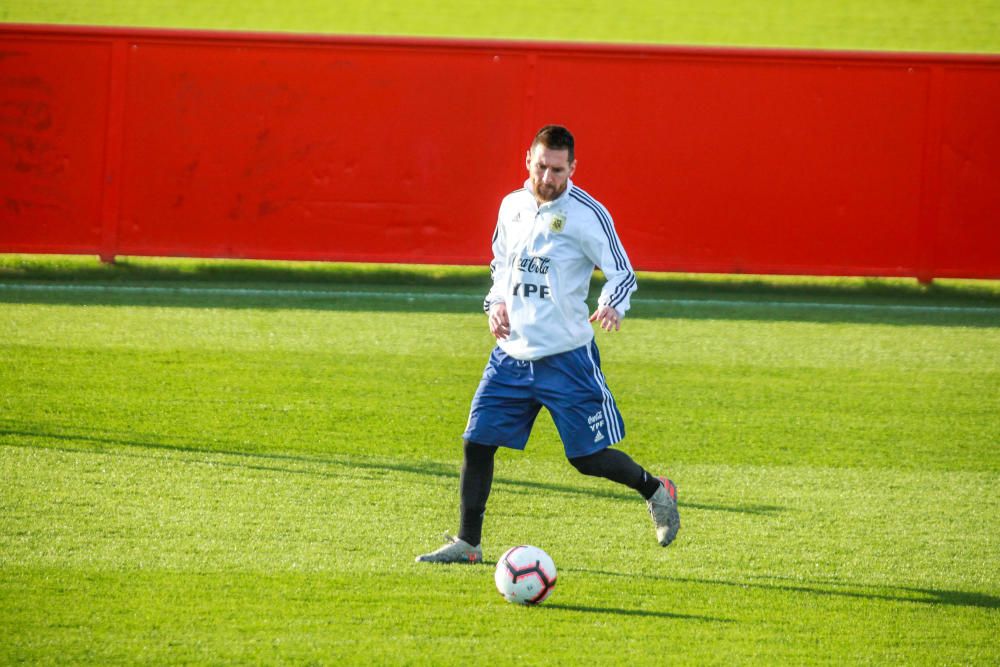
{"points": [[895, 25], [212, 462], [225, 462]]}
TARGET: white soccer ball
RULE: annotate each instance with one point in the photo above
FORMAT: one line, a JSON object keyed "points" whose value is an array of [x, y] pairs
{"points": [[525, 575]]}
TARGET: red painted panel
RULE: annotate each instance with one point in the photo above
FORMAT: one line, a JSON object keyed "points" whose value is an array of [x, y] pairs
{"points": [[53, 120], [967, 239], [764, 166], [304, 147], [336, 153]]}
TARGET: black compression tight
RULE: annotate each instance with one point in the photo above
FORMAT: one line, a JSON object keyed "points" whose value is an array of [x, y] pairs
{"points": [[619, 467], [474, 486], [477, 480]]}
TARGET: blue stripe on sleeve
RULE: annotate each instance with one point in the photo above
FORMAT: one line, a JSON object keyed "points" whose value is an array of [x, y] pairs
{"points": [[622, 291], [606, 225]]}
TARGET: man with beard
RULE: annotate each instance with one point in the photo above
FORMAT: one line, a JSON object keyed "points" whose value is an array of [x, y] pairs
{"points": [[550, 235]]}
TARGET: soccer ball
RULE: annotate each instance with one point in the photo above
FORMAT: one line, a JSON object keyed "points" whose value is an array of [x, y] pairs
{"points": [[525, 575]]}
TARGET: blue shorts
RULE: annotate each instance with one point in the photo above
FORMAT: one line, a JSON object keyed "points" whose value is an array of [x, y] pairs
{"points": [[570, 385]]}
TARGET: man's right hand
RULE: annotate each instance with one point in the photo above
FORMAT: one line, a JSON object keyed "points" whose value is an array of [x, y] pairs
{"points": [[499, 322]]}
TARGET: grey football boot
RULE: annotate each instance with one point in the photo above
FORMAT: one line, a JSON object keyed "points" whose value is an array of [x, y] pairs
{"points": [[663, 509], [455, 551]]}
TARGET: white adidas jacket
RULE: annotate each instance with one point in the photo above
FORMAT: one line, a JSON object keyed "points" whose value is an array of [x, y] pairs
{"points": [[543, 260]]}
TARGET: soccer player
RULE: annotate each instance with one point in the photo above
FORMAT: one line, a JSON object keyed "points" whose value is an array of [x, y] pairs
{"points": [[550, 235]]}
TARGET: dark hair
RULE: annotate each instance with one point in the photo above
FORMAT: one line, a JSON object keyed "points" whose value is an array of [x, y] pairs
{"points": [[555, 137]]}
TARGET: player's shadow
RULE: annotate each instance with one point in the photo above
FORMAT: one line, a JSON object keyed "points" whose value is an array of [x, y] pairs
{"points": [[593, 492], [441, 470], [827, 588], [645, 613], [273, 462]]}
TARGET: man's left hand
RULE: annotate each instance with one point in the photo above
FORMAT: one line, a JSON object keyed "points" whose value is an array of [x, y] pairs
{"points": [[607, 317]]}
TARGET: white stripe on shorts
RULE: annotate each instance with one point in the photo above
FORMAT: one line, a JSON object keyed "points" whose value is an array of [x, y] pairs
{"points": [[608, 403]]}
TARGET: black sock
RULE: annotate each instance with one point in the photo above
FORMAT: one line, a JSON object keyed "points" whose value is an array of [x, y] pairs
{"points": [[474, 486], [619, 467]]}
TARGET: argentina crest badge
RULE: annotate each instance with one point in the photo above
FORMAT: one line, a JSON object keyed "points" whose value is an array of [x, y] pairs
{"points": [[558, 222]]}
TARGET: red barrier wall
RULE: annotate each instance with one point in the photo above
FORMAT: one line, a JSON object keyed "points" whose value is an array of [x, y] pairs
{"points": [[141, 142]]}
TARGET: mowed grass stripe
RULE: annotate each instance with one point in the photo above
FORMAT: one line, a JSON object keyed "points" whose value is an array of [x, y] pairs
{"points": [[930, 25], [458, 296]]}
